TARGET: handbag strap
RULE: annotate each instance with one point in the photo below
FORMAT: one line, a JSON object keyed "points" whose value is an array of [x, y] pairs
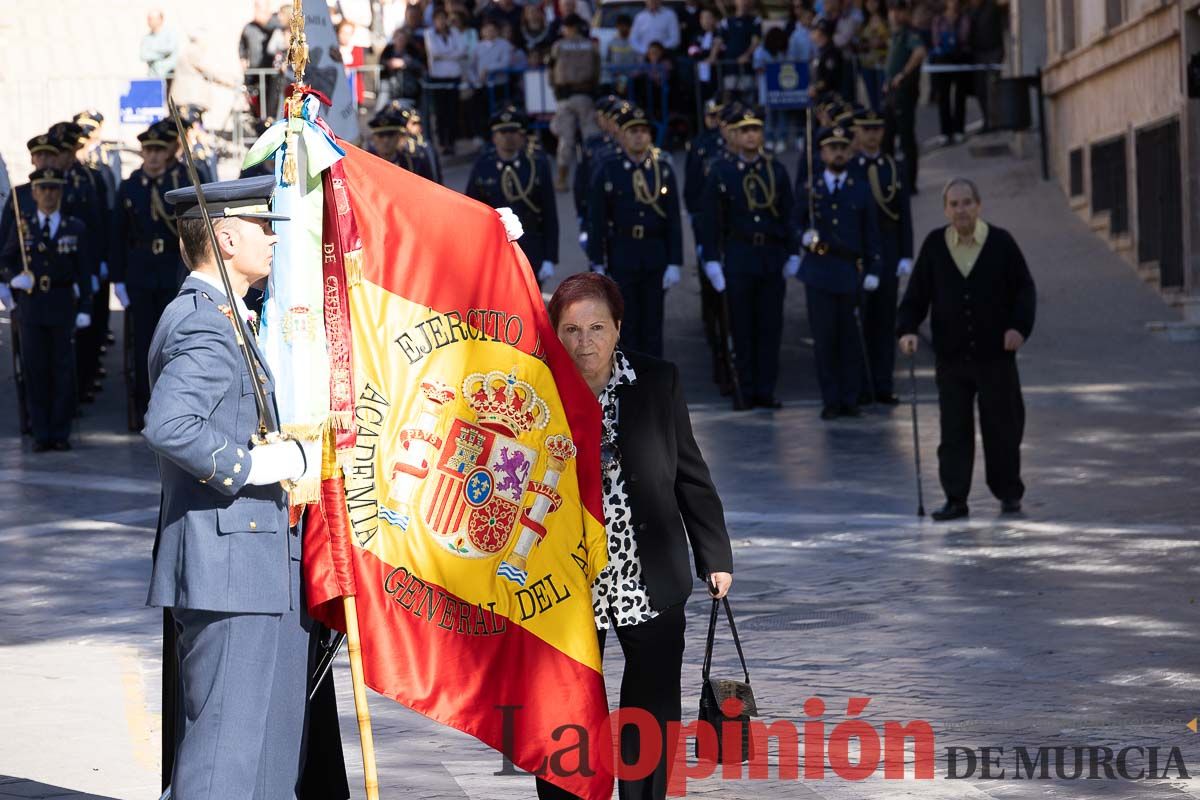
{"points": [[712, 630]]}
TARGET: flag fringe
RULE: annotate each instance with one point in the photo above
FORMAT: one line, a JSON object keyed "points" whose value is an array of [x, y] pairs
{"points": [[340, 420], [309, 432], [354, 267]]}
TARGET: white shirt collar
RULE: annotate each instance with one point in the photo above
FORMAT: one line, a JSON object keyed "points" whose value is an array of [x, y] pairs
{"points": [[215, 282], [832, 180], [54, 218]]}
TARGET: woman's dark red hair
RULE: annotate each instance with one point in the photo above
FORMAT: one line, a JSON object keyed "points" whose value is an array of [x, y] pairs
{"points": [[587, 286]]}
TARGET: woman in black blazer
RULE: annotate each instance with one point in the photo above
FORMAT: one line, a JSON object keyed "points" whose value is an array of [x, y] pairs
{"points": [[658, 498]]}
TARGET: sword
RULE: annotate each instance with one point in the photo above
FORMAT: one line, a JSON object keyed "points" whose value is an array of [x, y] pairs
{"points": [[267, 422], [25, 270]]}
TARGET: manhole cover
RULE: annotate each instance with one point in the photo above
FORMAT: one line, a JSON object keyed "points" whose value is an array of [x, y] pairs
{"points": [[807, 620]]}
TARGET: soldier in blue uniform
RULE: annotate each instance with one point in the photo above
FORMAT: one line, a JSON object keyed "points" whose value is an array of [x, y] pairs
{"points": [[84, 198], [43, 152], [416, 129], [391, 141], [593, 151], [840, 259], [98, 153], [146, 268], [226, 564], [636, 231], [53, 283], [512, 174], [882, 176], [746, 223]]}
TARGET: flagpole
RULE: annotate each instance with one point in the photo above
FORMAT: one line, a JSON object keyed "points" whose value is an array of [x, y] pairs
{"points": [[298, 58]]}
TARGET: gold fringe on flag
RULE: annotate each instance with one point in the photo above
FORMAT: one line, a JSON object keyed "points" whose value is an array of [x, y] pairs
{"points": [[354, 267]]}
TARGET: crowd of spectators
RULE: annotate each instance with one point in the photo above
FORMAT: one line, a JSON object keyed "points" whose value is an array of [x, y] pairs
{"points": [[460, 58]]}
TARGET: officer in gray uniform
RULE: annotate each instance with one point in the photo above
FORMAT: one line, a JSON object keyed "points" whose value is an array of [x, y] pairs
{"points": [[226, 563]]}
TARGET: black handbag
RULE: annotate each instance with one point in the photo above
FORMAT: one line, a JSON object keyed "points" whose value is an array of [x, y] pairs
{"points": [[715, 691]]}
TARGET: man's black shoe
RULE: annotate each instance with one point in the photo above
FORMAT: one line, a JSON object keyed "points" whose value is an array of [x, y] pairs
{"points": [[1010, 507], [767, 402], [62, 444], [950, 511], [41, 447], [829, 412], [887, 399], [742, 405], [850, 411]]}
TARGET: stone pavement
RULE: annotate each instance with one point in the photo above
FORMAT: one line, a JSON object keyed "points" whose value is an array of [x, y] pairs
{"points": [[1072, 625]]}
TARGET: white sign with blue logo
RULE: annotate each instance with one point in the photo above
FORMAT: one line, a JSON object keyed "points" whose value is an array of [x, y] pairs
{"points": [[787, 84], [144, 103]]}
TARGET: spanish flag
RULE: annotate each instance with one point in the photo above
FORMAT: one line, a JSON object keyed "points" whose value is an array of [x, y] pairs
{"points": [[471, 482]]}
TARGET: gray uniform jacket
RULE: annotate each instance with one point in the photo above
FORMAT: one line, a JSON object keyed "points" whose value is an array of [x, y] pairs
{"points": [[222, 545]]}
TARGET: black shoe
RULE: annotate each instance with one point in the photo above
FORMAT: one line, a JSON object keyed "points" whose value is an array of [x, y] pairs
{"points": [[41, 447], [1010, 506], [850, 411], [887, 399], [767, 402], [61, 444], [950, 511], [725, 389], [742, 405], [866, 398], [829, 412]]}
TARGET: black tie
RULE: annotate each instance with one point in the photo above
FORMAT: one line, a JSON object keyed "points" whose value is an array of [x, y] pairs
{"points": [[837, 186], [45, 227]]}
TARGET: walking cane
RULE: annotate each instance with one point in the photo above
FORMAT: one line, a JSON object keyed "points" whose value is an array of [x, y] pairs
{"points": [[912, 379]]}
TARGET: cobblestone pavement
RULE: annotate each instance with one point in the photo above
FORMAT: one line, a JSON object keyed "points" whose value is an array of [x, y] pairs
{"points": [[1072, 625]]}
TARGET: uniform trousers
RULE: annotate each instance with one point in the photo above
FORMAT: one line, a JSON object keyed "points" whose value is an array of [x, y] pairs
{"points": [[997, 388], [48, 359], [836, 345], [879, 331], [652, 680], [147, 306], [756, 287], [641, 288], [244, 680], [902, 121]]}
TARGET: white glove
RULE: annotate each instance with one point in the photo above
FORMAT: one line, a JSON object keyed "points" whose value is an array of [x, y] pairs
{"points": [[83, 320], [871, 283], [24, 282], [791, 266], [583, 239], [95, 284], [547, 271], [808, 238], [312, 459], [512, 225], [599, 269], [671, 277], [276, 462], [6, 299], [716, 276], [103, 270], [122, 295], [904, 267]]}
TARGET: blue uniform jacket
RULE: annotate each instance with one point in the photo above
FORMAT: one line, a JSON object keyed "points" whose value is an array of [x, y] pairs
{"points": [[222, 545], [700, 153], [849, 224], [621, 212], [528, 191], [746, 204], [61, 264], [892, 201], [145, 245]]}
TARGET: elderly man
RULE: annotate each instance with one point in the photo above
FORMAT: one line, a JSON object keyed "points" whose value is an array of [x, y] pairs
{"points": [[971, 278]]}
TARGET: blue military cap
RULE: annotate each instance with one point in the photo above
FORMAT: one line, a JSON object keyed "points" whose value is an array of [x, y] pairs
{"points": [[712, 107], [509, 119], [160, 134], [868, 118], [89, 120], [633, 117], [49, 175], [69, 134], [748, 116], [834, 134], [44, 144], [389, 120], [244, 197], [731, 111]]}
